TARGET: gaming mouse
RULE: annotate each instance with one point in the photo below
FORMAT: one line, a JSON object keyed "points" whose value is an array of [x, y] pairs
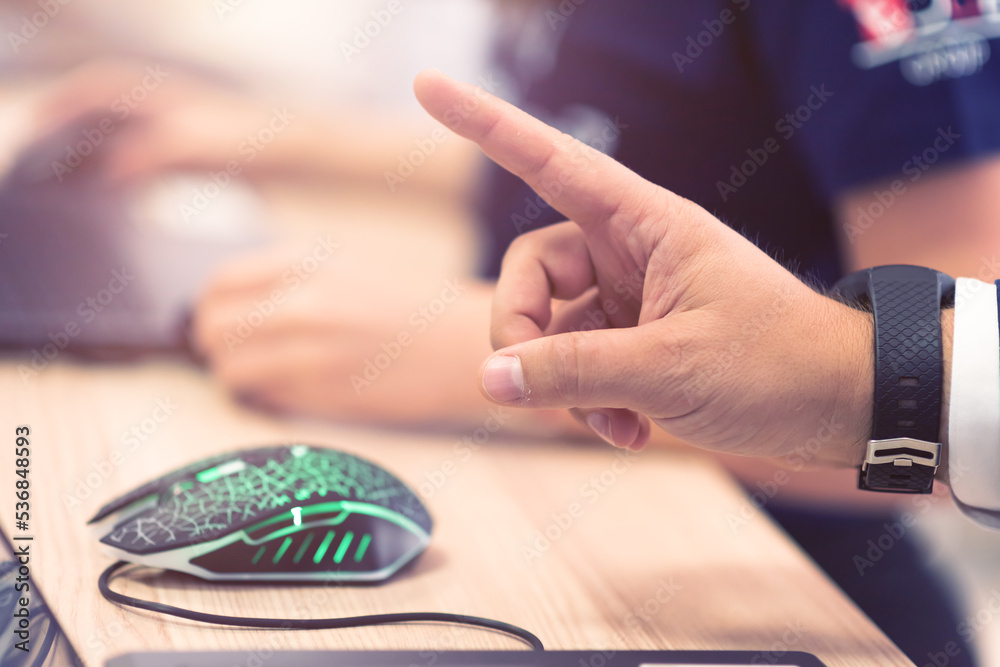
{"points": [[285, 513]]}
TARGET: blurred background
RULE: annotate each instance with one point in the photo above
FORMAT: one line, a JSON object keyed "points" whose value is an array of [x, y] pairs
{"points": [[292, 50], [238, 124]]}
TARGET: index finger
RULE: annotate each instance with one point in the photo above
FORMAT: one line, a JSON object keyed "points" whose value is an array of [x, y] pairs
{"points": [[582, 183]]}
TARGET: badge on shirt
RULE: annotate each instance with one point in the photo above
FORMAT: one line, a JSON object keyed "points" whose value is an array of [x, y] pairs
{"points": [[932, 40]]}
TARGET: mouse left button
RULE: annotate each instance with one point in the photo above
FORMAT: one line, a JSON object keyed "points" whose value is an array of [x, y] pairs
{"points": [[156, 487], [140, 495]]}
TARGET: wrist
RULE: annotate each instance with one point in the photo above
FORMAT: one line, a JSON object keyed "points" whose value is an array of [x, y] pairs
{"points": [[856, 396]]}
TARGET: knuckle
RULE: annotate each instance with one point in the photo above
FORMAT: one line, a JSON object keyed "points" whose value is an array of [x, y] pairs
{"points": [[501, 337], [522, 245], [537, 245], [561, 239], [538, 168], [574, 384]]}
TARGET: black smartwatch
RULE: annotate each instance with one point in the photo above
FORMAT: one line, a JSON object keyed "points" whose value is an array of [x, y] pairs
{"points": [[905, 449]]}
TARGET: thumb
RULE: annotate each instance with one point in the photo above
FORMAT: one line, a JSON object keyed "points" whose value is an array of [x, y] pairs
{"points": [[610, 368]]}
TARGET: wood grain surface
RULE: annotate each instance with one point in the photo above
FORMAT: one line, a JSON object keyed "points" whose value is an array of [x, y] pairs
{"points": [[586, 547]]}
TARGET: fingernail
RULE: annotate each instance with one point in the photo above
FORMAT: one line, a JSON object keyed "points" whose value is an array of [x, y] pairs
{"points": [[503, 379], [601, 425], [637, 446]]}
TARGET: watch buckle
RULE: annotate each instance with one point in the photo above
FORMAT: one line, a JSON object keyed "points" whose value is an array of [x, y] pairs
{"points": [[903, 452]]}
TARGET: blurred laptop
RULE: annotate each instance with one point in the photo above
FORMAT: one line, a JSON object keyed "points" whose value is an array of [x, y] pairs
{"points": [[47, 645], [92, 267]]}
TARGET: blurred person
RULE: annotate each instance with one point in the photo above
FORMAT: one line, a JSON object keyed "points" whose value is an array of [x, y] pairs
{"points": [[217, 86]]}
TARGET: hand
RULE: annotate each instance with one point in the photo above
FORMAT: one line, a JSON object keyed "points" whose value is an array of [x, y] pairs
{"points": [[153, 118], [149, 119], [671, 315], [354, 339]]}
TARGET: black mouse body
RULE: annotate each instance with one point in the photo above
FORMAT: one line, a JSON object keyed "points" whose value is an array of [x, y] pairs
{"points": [[285, 513]]}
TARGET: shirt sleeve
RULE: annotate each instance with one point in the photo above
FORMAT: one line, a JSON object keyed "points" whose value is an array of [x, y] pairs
{"points": [[974, 408]]}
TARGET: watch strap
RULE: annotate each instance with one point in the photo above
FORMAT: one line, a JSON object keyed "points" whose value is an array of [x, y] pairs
{"points": [[906, 302]]}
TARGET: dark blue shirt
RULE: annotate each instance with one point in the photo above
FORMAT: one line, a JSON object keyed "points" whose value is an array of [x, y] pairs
{"points": [[761, 112]]}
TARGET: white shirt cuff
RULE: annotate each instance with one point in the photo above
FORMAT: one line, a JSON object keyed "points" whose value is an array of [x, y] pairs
{"points": [[974, 410]]}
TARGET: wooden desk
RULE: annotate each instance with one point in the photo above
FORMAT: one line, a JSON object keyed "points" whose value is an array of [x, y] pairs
{"points": [[646, 560]]}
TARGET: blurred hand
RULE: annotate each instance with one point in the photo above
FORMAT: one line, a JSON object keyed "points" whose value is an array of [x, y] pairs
{"points": [[152, 117], [355, 338], [140, 119], [672, 315]]}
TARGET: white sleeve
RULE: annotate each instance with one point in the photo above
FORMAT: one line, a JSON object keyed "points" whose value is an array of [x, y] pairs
{"points": [[974, 410]]}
